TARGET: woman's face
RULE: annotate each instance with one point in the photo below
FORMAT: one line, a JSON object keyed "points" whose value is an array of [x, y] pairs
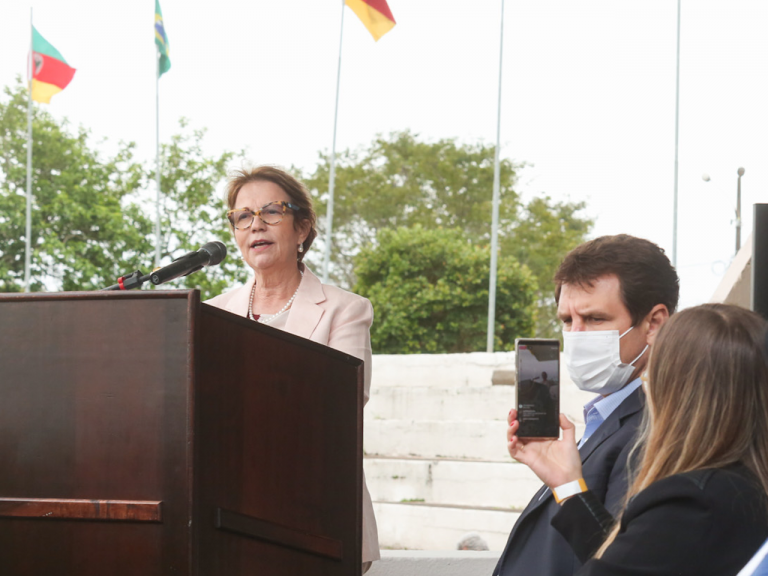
{"points": [[268, 248]]}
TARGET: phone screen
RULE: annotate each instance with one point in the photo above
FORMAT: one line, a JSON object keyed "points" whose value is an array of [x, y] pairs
{"points": [[538, 387]]}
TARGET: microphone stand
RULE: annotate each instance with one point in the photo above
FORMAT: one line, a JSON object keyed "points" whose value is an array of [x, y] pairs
{"points": [[129, 281], [137, 278], [212, 253]]}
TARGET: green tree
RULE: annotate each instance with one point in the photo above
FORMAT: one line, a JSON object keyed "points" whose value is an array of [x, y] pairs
{"points": [[193, 209], [400, 180], [86, 226], [545, 233], [93, 217], [429, 290]]}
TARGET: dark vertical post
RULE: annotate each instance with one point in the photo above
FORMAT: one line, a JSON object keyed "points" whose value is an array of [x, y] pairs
{"points": [[760, 260]]}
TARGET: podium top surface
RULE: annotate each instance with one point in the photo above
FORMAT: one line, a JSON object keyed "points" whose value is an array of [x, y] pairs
{"points": [[96, 295], [193, 298]]}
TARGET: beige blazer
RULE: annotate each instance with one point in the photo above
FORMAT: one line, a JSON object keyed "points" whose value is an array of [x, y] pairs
{"points": [[336, 318]]}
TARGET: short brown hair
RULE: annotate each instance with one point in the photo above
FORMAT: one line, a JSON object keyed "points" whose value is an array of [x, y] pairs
{"points": [[295, 189], [645, 274]]}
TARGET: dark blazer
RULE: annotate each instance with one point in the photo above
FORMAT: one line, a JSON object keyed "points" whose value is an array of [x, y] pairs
{"points": [[702, 523], [534, 547]]}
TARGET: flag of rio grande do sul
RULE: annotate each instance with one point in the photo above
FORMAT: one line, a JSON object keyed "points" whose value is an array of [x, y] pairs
{"points": [[375, 14], [50, 72]]}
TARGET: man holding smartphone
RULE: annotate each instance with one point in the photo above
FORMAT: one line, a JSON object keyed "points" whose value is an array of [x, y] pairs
{"points": [[613, 293]]}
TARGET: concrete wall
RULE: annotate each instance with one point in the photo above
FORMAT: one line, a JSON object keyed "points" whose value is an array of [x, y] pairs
{"points": [[436, 461], [736, 284]]}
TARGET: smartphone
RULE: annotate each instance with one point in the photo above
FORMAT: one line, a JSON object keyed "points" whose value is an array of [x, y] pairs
{"points": [[537, 397]]}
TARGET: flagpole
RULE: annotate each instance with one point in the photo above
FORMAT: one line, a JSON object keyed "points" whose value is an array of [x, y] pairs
{"points": [[677, 137], [496, 195], [157, 160], [28, 246], [332, 179]]}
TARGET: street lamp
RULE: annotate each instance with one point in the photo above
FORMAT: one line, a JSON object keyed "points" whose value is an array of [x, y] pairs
{"points": [[740, 172]]}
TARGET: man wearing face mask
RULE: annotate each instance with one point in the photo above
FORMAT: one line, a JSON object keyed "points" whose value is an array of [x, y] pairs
{"points": [[613, 294]]}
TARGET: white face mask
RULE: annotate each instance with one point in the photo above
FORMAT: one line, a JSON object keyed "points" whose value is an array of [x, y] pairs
{"points": [[593, 360]]}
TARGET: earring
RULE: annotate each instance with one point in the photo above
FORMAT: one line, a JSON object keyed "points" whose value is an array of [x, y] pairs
{"points": [[301, 248]]}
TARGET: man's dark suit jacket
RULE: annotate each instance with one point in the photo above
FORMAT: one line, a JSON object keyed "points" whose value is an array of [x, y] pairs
{"points": [[701, 523], [535, 548]]}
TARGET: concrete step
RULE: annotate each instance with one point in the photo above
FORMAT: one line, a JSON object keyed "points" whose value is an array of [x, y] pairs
{"points": [[506, 485], [464, 440], [434, 563], [442, 370], [431, 403], [419, 526], [468, 439], [460, 403]]}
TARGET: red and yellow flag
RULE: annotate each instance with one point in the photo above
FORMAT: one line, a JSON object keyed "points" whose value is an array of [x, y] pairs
{"points": [[375, 14], [50, 72]]}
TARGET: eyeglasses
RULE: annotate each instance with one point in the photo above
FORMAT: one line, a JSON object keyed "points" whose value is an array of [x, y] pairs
{"points": [[272, 213]]}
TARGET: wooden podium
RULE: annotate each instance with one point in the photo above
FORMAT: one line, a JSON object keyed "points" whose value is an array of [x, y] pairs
{"points": [[145, 433]]}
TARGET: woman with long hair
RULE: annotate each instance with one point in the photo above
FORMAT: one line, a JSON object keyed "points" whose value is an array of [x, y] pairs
{"points": [[697, 504]]}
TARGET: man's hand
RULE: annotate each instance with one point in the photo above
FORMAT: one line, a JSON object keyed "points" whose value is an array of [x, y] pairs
{"points": [[555, 462]]}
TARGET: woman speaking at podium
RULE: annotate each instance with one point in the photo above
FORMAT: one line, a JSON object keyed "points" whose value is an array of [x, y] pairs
{"points": [[271, 216]]}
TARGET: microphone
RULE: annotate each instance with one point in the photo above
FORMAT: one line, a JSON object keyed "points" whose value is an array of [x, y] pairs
{"points": [[210, 254]]}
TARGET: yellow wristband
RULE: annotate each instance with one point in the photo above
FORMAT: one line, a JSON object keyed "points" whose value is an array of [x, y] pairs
{"points": [[570, 489]]}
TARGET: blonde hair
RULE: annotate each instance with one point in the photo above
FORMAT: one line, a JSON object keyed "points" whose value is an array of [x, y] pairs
{"points": [[707, 398], [295, 189]]}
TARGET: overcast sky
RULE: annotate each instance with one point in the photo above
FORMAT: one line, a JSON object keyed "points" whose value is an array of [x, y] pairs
{"points": [[588, 94]]}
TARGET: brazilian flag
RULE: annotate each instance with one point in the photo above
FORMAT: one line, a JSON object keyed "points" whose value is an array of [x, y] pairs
{"points": [[161, 39]]}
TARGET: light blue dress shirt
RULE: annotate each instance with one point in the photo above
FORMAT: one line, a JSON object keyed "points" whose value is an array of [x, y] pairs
{"points": [[596, 411]]}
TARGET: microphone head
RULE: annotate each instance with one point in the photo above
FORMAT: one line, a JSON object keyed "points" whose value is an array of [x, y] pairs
{"points": [[216, 250]]}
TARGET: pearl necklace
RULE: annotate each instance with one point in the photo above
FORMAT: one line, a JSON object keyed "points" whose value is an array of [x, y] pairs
{"points": [[267, 318]]}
